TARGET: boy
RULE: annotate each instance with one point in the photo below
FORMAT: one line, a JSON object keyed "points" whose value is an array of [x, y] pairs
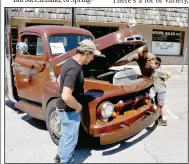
{"points": [[159, 77]]}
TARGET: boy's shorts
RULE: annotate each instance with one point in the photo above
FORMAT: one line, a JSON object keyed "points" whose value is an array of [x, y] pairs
{"points": [[160, 98]]}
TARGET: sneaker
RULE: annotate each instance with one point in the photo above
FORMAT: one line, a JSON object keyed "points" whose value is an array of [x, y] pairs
{"points": [[162, 122], [159, 118], [155, 107], [56, 159], [71, 160]]}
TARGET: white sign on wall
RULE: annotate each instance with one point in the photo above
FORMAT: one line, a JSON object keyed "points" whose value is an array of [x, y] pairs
{"points": [[166, 48], [166, 42]]}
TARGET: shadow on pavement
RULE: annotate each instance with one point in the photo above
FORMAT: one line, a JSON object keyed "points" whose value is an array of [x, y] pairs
{"points": [[86, 144], [11, 104], [125, 144], [39, 124]]}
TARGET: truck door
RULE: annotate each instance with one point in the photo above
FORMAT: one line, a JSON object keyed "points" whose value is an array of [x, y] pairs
{"points": [[30, 69]]}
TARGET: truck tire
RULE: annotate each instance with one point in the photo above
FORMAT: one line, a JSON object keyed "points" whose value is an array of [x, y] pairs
{"points": [[55, 128], [52, 122]]}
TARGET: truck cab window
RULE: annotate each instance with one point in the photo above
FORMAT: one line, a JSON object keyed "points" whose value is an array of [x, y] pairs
{"points": [[35, 44], [60, 44]]}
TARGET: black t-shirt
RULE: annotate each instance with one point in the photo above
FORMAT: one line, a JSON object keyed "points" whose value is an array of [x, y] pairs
{"points": [[71, 76]]}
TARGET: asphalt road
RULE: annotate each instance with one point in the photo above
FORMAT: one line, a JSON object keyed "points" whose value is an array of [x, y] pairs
{"points": [[27, 139]]}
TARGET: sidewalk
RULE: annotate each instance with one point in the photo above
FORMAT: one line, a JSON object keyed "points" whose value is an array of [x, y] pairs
{"points": [[174, 69]]}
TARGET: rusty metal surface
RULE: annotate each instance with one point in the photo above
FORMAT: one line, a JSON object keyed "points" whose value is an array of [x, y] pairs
{"points": [[30, 109], [30, 78], [128, 131], [47, 30], [128, 117]]}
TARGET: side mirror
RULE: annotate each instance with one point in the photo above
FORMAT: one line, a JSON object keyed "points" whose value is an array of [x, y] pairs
{"points": [[22, 47]]}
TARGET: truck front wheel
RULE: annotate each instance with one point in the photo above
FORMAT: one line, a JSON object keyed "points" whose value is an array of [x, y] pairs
{"points": [[52, 122]]}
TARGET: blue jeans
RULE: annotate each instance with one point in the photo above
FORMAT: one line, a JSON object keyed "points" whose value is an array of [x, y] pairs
{"points": [[69, 138]]}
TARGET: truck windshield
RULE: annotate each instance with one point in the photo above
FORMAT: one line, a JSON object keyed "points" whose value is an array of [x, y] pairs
{"points": [[60, 44]]}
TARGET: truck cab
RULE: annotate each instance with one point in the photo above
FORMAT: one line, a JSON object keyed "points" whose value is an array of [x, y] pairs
{"points": [[44, 44]]}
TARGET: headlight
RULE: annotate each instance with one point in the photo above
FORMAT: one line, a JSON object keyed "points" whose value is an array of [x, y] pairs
{"points": [[107, 110]]}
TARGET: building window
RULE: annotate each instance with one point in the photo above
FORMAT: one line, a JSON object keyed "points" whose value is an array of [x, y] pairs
{"points": [[166, 42], [14, 36], [99, 31]]}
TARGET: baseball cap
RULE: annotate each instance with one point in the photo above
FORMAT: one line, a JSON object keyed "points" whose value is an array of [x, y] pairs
{"points": [[88, 45]]}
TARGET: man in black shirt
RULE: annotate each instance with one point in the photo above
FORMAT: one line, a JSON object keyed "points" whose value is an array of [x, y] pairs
{"points": [[68, 104]]}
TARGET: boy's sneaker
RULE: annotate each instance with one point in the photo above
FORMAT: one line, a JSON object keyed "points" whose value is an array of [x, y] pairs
{"points": [[155, 107], [162, 122], [56, 159]]}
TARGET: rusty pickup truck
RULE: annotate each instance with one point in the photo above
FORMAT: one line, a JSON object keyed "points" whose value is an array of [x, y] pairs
{"points": [[116, 104]]}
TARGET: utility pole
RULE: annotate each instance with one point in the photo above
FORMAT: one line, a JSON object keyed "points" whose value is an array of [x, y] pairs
{"points": [[184, 60], [73, 17]]}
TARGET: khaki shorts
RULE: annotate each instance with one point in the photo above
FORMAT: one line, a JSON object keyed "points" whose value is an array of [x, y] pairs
{"points": [[160, 98]]}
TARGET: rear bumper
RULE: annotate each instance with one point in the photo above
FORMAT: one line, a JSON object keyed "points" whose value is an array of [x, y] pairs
{"points": [[128, 131]]}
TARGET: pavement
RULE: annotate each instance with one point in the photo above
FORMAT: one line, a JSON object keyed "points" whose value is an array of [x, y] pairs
{"points": [[176, 69], [27, 139]]}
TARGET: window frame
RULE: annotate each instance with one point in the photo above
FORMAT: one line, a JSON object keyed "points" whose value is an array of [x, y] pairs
{"points": [[38, 47], [41, 58], [181, 42]]}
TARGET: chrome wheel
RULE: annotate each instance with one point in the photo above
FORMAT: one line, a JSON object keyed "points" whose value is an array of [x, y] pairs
{"points": [[55, 124]]}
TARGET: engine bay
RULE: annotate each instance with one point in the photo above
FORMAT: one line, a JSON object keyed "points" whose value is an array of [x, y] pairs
{"points": [[117, 77], [99, 68]]}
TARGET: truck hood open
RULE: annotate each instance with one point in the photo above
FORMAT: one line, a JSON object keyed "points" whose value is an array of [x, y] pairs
{"points": [[114, 46], [118, 44]]}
